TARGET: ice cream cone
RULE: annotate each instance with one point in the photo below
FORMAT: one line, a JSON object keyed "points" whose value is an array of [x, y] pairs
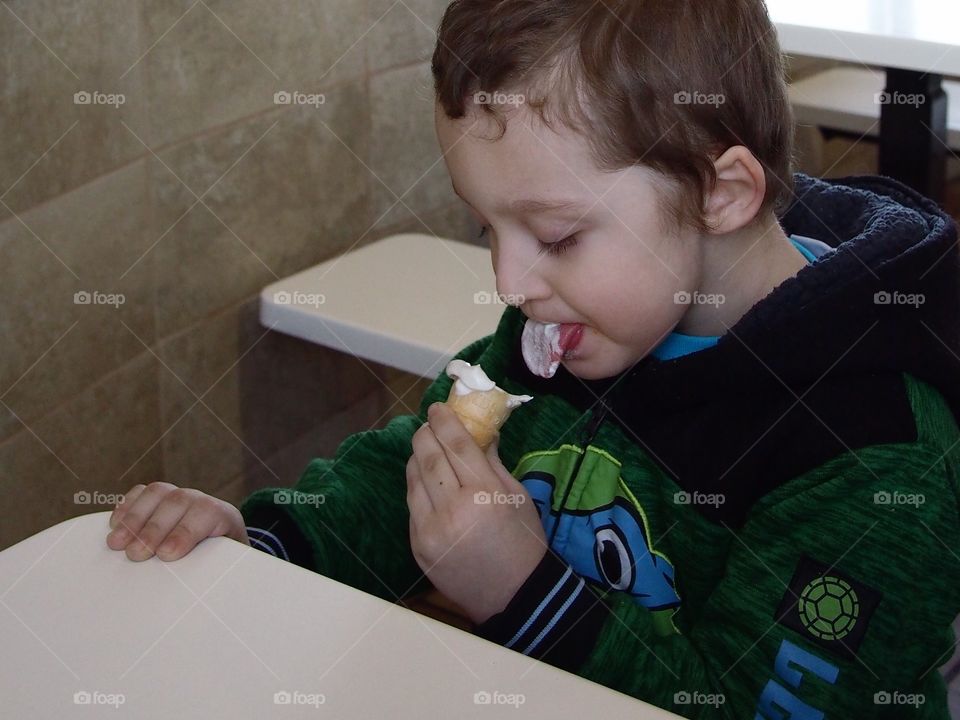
{"points": [[482, 407], [482, 412]]}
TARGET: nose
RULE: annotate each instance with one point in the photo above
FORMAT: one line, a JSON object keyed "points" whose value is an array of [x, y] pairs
{"points": [[519, 275]]}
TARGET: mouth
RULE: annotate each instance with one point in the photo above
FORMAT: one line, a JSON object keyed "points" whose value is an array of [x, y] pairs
{"points": [[570, 336], [546, 344]]}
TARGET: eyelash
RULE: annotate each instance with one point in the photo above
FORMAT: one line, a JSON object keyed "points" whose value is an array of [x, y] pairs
{"points": [[557, 248]]}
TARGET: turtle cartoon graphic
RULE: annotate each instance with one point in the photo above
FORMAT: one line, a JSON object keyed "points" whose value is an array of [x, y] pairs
{"points": [[601, 530]]}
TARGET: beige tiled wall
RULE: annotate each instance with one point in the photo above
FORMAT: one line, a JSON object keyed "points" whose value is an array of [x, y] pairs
{"points": [[188, 198]]}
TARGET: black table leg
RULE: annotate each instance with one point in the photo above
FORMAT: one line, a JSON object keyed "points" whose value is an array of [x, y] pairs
{"points": [[913, 131]]}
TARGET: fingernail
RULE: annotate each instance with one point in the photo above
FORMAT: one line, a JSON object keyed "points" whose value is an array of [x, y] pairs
{"points": [[166, 546]]}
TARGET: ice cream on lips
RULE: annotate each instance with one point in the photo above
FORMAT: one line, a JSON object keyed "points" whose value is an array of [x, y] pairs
{"points": [[544, 345], [482, 407]]}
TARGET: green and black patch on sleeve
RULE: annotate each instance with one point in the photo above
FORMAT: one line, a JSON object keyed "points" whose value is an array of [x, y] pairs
{"points": [[827, 607]]}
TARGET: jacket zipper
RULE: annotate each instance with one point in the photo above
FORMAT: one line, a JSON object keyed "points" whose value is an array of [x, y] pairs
{"points": [[587, 433]]}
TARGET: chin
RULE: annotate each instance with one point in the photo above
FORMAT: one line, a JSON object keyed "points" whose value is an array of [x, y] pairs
{"points": [[595, 359], [587, 370], [590, 375]]}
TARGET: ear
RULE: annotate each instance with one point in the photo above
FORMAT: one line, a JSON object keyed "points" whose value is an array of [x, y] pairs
{"points": [[741, 186]]}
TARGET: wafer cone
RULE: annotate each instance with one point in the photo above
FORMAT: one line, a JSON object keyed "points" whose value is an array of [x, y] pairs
{"points": [[482, 412]]}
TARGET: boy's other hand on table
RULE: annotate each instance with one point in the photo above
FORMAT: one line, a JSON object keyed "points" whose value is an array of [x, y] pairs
{"points": [[168, 521], [474, 530]]}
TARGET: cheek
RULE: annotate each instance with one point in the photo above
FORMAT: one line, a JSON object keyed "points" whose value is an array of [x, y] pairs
{"points": [[630, 301], [622, 286]]}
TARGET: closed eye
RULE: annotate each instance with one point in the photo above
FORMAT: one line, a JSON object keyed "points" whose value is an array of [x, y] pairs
{"points": [[554, 248], [559, 247]]}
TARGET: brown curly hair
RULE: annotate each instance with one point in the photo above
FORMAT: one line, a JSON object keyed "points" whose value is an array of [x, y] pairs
{"points": [[669, 84]]}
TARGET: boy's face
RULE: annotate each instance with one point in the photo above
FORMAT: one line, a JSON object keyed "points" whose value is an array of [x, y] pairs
{"points": [[619, 277]]}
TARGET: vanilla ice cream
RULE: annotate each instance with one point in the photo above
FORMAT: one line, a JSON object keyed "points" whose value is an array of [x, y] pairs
{"points": [[540, 344]]}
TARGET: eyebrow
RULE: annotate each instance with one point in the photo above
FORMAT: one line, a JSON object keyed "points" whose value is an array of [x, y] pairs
{"points": [[537, 204]]}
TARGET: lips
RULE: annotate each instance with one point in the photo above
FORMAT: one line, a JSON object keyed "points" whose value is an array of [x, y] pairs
{"points": [[570, 335]]}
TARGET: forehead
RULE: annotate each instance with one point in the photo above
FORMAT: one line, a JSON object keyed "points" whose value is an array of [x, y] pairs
{"points": [[528, 156]]}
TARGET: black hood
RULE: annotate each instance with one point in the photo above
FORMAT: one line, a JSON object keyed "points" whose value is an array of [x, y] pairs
{"points": [[815, 367]]}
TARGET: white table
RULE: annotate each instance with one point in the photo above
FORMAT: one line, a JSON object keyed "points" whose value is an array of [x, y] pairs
{"points": [[916, 41], [409, 301], [218, 633]]}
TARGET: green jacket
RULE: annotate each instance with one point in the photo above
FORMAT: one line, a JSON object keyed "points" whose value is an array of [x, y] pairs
{"points": [[766, 528]]}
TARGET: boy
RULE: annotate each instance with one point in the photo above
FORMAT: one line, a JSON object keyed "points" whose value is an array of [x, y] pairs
{"points": [[736, 493]]}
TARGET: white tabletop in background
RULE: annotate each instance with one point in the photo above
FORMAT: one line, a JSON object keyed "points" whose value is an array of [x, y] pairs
{"points": [[217, 633], [919, 35], [408, 301]]}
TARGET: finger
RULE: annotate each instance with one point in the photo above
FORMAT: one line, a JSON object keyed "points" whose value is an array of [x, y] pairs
{"points": [[493, 456], [125, 502], [436, 475], [415, 542], [200, 522], [463, 453], [418, 501], [135, 517], [163, 520]]}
